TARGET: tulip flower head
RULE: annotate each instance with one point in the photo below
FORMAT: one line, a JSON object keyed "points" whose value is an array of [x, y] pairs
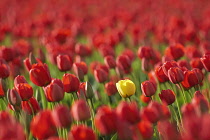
{"points": [[126, 88]]}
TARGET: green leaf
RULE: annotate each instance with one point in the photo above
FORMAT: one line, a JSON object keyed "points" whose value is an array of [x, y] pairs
{"points": [[114, 137]]}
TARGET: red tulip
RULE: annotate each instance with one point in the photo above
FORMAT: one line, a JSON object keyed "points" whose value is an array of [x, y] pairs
{"points": [[175, 75], [206, 61], [129, 53], [85, 90], [82, 66], [40, 75], [81, 132], [101, 75], [160, 75], [54, 92], [63, 120], [61, 35], [106, 120], [3, 88], [64, 62], [80, 110], [7, 53], [10, 128], [47, 128], [128, 112], [167, 96], [146, 52], [184, 63], [106, 50], [13, 97], [146, 129], [175, 51], [110, 61], [124, 62], [196, 63], [82, 50], [70, 82], [167, 65], [19, 79], [25, 91], [31, 106], [110, 88], [188, 110], [4, 69], [145, 99], [148, 88]]}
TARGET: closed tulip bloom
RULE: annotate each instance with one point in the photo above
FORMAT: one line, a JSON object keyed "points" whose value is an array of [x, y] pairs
{"points": [[48, 128], [110, 88], [54, 92], [175, 51], [100, 75], [161, 75], [148, 88], [206, 61], [110, 61], [167, 65], [81, 132], [124, 62], [128, 112], [106, 120], [70, 82], [63, 120], [25, 91], [176, 75], [184, 63], [64, 62], [167, 96], [40, 75], [4, 69], [80, 110], [19, 79], [126, 88], [146, 52], [31, 106], [83, 66], [85, 90], [82, 50], [13, 97]]}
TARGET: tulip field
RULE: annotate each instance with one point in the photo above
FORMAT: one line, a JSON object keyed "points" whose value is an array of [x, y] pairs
{"points": [[104, 70]]}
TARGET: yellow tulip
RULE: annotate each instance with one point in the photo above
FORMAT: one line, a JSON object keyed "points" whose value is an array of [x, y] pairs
{"points": [[126, 88]]}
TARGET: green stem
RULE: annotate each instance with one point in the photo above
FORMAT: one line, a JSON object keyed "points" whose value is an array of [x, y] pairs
{"points": [[43, 98]]}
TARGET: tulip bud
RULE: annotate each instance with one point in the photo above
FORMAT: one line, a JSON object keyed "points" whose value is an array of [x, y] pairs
{"points": [[146, 52], [48, 128], [80, 110], [175, 75], [110, 61], [100, 75], [175, 51], [110, 88], [106, 120], [81, 132], [31, 106], [148, 88], [128, 112], [167, 96], [124, 62], [82, 50], [146, 65], [64, 62], [88, 90], [70, 82], [13, 97], [25, 91], [54, 92], [63, 120], [4, 69], [19, 79], [126, 88], [184, 63], [188, 110], [40, 75]]}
